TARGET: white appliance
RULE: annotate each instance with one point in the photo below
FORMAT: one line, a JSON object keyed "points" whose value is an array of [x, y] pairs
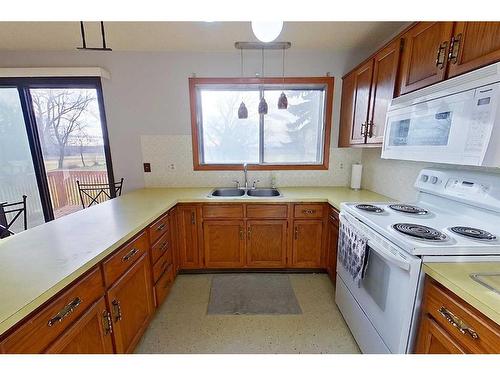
{"points": [[456, 218], [456, 121]]}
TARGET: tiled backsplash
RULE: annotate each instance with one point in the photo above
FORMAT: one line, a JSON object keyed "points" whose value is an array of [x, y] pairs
{"points": [[162, 151]]}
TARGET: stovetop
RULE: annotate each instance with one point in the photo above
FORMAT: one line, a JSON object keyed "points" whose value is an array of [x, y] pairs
{"points": [[435, 220]]}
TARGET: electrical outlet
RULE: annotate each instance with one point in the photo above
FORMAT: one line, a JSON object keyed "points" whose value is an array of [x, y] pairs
{"points": [[147, 167], [171, 167], [341, 166]]}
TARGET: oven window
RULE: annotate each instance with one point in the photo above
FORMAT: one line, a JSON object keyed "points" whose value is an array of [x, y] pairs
{"points": [[376, 280], [430, 130]]}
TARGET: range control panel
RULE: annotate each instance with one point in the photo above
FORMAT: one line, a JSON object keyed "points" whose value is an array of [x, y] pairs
{"points": [[475, 188]]}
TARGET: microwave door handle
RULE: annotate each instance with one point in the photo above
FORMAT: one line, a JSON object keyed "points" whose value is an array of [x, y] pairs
{"points": [[390, 257]]}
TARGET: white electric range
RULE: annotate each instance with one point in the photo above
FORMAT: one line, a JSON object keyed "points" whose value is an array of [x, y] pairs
{"points": [[456, 218]]}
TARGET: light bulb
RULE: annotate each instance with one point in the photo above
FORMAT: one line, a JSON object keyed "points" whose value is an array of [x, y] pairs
{"points": [[267, 31]]}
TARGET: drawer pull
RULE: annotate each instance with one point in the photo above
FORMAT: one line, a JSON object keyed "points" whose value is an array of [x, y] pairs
{"points": [[160, 228], [333, 218], [458, 323], [308, 212], [163, 245], [130, 255], [106, 322], [296, 233], [67, 310], [117, 310]]}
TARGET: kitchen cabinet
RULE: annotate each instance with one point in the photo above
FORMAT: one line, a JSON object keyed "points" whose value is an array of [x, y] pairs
{"points": [[130, 301], [188, 237], [307, 243], [424, 57], [366, 94], [473, 45], [90, 334], [448, 324], [332, 244], [266, 243], [224, 243]]}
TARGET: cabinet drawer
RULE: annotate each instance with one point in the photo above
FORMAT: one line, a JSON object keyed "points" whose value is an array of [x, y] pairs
{"points": [[42, 329], [123, 259], [445, 307], [162, 264], [223, 211], [164, 284], [305, 211], [333, 215], [267, 211], [159, 248], [158, 228]]}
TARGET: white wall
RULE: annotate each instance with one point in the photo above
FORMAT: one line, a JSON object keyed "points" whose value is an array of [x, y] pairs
{"points": [[147, 96]]}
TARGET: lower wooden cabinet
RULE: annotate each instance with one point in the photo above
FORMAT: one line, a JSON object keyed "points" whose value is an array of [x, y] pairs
{"points": [[224, 243], [266, 243], [307, 243], [332, 244], [91, 334], [450, 325], [187, 237], [130, 301]]}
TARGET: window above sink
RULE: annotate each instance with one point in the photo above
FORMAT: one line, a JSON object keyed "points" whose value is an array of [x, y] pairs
{"points": [[294, 138]]}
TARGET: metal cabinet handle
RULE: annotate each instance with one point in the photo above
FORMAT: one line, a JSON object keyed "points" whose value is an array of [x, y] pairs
{"points": [[296, 233], [370, 129], [241, 233], [160, 228], [249, 233], [106, 322], [440, 60], [163, 245], [193, 221], [66, 310], [454, 48], [130, 255], [308, 212], [117, 310], [458, 323], [332, 218]]}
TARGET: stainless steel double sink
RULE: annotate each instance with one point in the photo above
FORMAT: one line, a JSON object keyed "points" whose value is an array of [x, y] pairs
{"points": [[235, 192]]}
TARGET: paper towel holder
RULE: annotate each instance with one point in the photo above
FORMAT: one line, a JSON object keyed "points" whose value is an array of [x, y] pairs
{"points": [[356, 172]]}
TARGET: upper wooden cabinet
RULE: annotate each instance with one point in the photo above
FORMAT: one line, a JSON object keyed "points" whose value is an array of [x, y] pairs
{"points": [[366, 94], [224, 243], [474, 44], [424, 58]]}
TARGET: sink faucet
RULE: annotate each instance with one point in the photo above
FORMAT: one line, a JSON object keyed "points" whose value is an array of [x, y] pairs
{"points": [[245, 172]]}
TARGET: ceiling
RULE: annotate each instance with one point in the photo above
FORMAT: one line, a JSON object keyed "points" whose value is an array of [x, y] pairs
{"points": [[190, 36]]}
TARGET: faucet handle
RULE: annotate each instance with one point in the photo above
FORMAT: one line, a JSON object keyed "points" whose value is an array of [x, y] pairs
{"points": [[254, 185], [237, 183]]}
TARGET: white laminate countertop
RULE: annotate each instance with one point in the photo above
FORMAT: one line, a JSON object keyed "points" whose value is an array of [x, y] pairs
{"points": [[38, 263]]}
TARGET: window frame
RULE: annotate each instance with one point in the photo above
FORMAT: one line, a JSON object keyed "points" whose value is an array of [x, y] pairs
{"points": [[194, 82]]}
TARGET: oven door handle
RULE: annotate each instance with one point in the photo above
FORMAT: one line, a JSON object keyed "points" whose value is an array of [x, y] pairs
{"points": [[390, 257]]}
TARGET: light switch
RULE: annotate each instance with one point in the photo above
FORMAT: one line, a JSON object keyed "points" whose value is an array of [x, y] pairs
{"points": [[147, 167]]}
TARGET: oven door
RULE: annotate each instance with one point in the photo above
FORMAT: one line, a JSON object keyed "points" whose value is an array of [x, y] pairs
{"points": [[453, 129], [387, 293]]}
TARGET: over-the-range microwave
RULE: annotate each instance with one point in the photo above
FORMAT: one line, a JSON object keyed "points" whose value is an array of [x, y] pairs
{"points": [[456, 121]]}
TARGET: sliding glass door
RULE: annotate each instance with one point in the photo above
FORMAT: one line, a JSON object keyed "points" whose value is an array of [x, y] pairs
{"points": [[53, 133], [17, 172]]}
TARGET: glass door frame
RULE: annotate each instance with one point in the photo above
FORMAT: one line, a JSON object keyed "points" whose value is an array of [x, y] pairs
{"points": [[23, 85]]}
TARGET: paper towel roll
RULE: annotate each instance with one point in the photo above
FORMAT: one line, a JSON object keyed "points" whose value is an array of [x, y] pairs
{"points": [[357, 170]]}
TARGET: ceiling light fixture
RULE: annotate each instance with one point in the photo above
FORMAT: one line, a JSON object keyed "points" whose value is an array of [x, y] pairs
{"points": [[283, 100], [84, 42], [267, 31], [262, 103], [242, 111]]}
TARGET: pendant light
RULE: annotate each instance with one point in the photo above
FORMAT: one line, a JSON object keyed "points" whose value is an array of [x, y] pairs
{"points": [[262, 103], [267, 31], [242, 110], [283, 100]]}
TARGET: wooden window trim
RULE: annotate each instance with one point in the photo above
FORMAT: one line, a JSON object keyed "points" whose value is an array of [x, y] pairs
{"points": [[327, 81]]}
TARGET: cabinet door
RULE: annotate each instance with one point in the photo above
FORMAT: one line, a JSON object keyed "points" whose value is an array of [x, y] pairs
{"points": [[307, 241], [224, 243], [424, 57], [346, 110], [433, 339], [362, 85], [187, 237], [332, 243], [131, 304], [474, 44], [266, 243], [385, 69], [91, 334]]}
